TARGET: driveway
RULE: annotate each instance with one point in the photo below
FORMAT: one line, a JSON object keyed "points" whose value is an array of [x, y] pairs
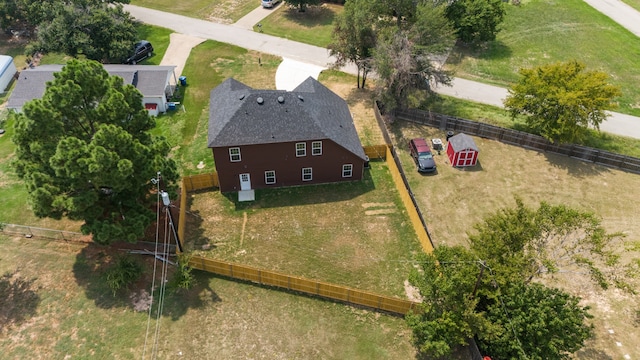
{"points": [[620, 124], [177, 53]]}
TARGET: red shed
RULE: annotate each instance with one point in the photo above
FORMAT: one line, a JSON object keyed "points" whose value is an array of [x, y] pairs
{"points": [[462, 150]]}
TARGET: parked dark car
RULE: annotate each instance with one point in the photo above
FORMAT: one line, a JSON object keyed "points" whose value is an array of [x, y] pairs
{"points": [[142, 50], [421, 154]]}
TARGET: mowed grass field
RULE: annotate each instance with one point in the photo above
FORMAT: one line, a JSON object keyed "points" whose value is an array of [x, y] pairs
{"points": [[545, 31], [314, 26], [55, 306], [455, 199], [354, 234], [225, 11]]}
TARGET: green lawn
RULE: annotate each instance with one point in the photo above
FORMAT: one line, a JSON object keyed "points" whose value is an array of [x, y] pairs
{"points": [[224, 11], [355, 234], [210, 63], [544, 31], [313, 26], [61, 309]]}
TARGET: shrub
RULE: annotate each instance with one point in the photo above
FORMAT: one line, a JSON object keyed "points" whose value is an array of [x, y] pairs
{"points": [[183, 277], [125, 272]]}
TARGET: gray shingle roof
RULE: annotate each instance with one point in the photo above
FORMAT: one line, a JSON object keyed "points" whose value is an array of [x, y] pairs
{"points": [[462, 141], [309, 112], [149, 79]]}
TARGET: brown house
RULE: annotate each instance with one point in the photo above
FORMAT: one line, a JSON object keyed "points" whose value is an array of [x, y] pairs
{"points": [[275, 138]]}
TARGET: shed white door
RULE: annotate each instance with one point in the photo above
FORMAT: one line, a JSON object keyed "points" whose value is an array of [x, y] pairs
{"points": [[245, 182]]}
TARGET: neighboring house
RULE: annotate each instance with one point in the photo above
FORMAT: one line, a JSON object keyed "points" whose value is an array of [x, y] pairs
{"points": [[274, 138], [462, 150], [152, 81]]}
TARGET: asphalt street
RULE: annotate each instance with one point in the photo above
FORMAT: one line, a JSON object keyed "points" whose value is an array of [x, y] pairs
{"points": [[243, 36]]}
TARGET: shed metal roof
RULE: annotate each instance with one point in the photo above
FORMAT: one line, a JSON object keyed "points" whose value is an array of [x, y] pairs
{"points": [[461, 142]]}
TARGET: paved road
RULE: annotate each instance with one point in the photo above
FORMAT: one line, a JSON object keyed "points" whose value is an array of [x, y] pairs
{"points": [[617, 123]]}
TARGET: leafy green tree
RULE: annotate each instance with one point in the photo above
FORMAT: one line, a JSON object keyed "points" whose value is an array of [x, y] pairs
{"points": [[99, 32], [302, 4], [463, 299], [400, 41], [475, 20], [405, 57], [562, 100], [84, 151], [354, 38], [448, 316], [523, 244], [538, 323], [27, 14]]}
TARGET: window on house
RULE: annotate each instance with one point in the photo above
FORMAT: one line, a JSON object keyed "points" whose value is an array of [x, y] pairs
{"points": [[347, 170], [301, 149], [307, 174], [234, 154], [270, 177], [316, 148]]}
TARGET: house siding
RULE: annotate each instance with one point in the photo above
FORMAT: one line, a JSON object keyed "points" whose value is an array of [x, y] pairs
{"points": [[281, 157]]}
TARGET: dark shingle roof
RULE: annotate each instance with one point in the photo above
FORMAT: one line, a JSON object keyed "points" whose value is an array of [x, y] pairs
{"points": [[462, 142], [309, 112], [149, 79]]}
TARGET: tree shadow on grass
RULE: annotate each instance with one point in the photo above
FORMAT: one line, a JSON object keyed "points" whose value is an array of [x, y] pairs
{"points": [[574, 167], [177, 303], [90, 268], [311, 17], [19, 300], [590, 353]]}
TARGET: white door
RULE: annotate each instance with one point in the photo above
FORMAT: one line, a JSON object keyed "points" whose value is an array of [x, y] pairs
{"points": [[245, 182]]}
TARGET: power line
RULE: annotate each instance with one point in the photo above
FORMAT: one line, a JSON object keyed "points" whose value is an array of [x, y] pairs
{"points": [[153, 281]]}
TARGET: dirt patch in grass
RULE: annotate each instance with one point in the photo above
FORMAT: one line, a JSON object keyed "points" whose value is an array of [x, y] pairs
{"points": [[455, 199]]}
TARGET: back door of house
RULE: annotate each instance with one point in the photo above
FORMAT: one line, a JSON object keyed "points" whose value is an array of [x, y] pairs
{"points": [[245, 182]]}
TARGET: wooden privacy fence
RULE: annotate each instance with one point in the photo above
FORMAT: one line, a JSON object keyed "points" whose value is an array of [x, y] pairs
{"points": [[311, 287], [376, 152], [200, 181], [413, 211], [521, 138]]}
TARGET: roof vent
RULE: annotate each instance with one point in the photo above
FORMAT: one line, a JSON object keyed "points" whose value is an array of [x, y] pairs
{"points": [[300, 97], [260, 100], [281, 99], [241, 97]]}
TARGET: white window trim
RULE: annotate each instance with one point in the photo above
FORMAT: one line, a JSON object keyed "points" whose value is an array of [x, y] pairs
{"points": [[266, 177], [304, 150], [232, 155], [313, 148], [310, 174], [344, 170]]}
